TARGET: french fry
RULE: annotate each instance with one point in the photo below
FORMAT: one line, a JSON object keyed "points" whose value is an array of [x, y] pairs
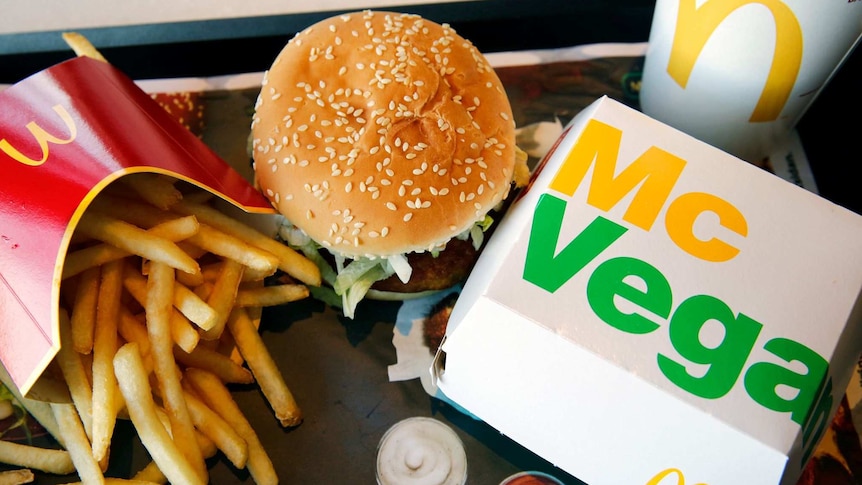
{"points": [[136, 241], [223, 294], [84, 310], [159, 307], [150, 474], [194, 307], [264, 369], [17, 477], [156, 189], [218, 430], [219, 364], [208, 448], [182, 329], [73, 371], [48, 460], [132, 211], [271, 295], [213, 392], [104, 345], [290, 261], [232, 247], [77, 443], [173, 230], [135, 386], [82, 46], [187, 279], [132, 329], [184, 332]]}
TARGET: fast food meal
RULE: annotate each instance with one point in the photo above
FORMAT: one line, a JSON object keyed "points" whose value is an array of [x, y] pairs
{"points": [[386, 141]]}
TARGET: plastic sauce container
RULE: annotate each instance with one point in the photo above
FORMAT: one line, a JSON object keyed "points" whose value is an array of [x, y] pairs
{"points": [[421, 451], [531, 478]]}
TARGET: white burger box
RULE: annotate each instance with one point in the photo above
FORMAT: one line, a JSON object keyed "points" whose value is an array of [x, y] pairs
{"points": [[654, 311]]}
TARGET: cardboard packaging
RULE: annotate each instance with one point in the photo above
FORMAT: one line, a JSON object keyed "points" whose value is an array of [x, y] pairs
{"points": [[65, 134], [654, 311]]}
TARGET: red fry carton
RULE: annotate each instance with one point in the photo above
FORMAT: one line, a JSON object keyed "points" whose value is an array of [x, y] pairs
{"points": [[65, 134], [654, 311]]}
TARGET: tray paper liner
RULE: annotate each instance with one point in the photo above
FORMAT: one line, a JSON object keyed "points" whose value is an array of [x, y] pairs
{"points": [[66, 133]]}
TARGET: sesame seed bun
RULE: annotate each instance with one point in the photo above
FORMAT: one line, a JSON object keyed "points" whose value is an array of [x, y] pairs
{"points": [[381, 133]]}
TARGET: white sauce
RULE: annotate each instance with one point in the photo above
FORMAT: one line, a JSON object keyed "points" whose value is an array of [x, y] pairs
{"points": [[421, 451]]}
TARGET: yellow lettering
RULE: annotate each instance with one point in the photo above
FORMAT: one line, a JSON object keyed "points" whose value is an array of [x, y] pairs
{"points": [[43, 138], [656, 169], [683, 211], [680, 480], [695, 25]]}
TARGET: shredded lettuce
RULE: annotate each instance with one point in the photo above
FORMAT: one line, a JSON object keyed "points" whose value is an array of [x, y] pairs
{"points": [[351, 279], [360, 286]]}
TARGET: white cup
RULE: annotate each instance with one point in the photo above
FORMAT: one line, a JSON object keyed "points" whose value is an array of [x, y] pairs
{"points": [[739, 74]]}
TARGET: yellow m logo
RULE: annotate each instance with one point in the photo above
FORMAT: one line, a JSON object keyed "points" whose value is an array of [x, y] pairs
{"points": [[695, 25], [43, 138], [659, 479]]}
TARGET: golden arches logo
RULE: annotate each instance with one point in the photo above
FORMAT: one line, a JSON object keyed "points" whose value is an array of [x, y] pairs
{"points": [[659, 479], [42, 138], [695, 26]]}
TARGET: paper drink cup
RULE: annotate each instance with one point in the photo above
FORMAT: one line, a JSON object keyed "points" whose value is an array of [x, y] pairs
{"points": [[739, 74]]}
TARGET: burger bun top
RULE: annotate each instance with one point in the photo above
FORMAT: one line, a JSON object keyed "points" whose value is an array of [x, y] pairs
{"points": [[381, 133]]}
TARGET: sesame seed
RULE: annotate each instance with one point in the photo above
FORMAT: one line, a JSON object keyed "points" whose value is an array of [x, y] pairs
{"points": [[391, 206], [407, 217]]}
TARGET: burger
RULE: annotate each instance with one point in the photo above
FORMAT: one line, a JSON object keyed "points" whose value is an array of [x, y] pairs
{"points": [[386, 141]]}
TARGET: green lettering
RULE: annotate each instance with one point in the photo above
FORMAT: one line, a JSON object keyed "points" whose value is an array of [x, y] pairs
{"points": [[608, 281], [725, 361], [763, 378], [548, 270]]}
